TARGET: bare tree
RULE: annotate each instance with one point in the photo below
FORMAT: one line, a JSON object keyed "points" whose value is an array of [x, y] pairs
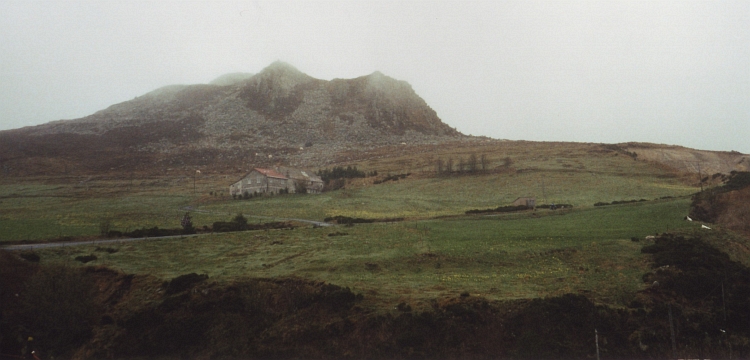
{"points": [[483, 161], [472, 163]]}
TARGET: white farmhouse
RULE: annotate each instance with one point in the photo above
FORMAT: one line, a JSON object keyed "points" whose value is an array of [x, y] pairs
{"points": [[274, 181]]}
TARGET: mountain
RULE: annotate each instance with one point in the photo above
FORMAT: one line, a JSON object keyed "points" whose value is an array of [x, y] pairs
{"points": [[279, 113]]}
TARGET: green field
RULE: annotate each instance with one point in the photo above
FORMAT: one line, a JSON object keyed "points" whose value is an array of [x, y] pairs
{"points": [[499, 257], [44, 208]]}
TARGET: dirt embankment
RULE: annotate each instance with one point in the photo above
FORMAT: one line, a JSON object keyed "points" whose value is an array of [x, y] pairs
{"points": [[125, 316], [728, 205], [691, 160]]}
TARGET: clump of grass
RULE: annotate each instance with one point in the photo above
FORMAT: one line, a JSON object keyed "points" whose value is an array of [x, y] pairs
{"points": [[86, 258], [108, 250], [30, 256]]}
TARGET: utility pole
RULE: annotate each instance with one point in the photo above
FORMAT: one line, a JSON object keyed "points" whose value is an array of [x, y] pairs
{"points": [[723, 303], [700, 176], [544, 195], [195, 174]]}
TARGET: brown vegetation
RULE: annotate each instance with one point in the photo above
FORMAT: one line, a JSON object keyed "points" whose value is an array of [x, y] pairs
{"points": [[193, 317], [728, 205]]}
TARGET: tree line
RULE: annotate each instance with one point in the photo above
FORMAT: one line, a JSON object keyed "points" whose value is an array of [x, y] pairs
{"points": [[471, 165]]}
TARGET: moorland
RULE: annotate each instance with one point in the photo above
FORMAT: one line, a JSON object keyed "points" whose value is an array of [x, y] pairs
{"points": [[423, 279]]}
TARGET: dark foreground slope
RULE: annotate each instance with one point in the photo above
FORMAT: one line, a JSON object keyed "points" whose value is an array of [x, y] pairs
{"points": [[127, 316]]}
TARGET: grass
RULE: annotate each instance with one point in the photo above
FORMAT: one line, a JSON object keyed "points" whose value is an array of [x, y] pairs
{"points": [[437, 252], [579, 174], [499, 257], [35, 210]]}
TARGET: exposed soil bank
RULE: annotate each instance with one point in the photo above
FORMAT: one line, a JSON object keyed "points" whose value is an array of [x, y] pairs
{"points": [[123, 316]]}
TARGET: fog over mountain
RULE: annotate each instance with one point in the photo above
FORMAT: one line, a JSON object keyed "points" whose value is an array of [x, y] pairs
{"points": [[615, 71], [280, 115]]}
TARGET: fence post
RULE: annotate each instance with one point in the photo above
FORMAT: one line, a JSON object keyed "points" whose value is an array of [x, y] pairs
{"points": [[671, 331], [596, 336]]}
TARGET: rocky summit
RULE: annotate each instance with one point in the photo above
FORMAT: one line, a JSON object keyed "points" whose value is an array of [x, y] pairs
{"points": [[279, 113]]}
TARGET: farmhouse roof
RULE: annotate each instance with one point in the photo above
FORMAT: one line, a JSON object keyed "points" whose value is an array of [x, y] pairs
{"points": [[267, 172], [270, 173], [298, 174]]}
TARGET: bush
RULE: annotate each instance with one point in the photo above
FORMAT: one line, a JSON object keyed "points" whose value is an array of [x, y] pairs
{"points": [[187, 224], [339, 172], [153, 232], [737, 180], [619, 202], [340, 219], [300, 187], [108, 250], [392, 178], [240, 220], [499, 209]]}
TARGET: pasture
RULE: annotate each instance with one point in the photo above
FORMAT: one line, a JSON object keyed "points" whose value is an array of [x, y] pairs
{"points": [[508, 256], [41, 208]]}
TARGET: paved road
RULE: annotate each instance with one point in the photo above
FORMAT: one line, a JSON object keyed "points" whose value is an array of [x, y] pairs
{"points": [[118, 241]]}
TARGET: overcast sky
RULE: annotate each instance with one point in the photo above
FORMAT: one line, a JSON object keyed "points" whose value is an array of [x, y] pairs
{"points": [[675, 72]]}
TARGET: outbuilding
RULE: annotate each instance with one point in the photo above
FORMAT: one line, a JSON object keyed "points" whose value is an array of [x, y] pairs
{"points": [[529, 202]]}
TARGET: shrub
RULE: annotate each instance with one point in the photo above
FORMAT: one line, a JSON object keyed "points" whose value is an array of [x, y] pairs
{"points": [[499, 209], [107, 250], [340, 219], [240, 220], [392, 178], [187, 224], [339, 172], [334, 184], [153, 232], [300, 187]]}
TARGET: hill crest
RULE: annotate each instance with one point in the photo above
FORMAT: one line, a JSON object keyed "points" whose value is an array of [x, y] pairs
{"points": [[238, 117]]}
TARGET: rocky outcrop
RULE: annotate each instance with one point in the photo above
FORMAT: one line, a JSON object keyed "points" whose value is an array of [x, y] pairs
{"points": [[274, 112]]}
